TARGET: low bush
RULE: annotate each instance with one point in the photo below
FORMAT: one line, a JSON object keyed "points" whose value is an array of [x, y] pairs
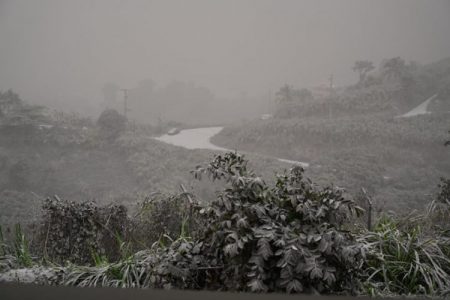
{"points": [[75, 231], [288, 237], [292, 237], [161, 217]]}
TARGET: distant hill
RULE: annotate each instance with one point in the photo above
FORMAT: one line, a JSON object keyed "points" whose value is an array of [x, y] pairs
{"points": [[352, 138]]}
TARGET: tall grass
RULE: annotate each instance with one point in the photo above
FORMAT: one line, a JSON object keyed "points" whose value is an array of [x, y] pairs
{"points": [[406, 257], [22, 248], [129, 272], [15, 255]]}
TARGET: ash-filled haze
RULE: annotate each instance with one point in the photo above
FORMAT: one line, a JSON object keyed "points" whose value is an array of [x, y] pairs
{"points": [[61, 53]]}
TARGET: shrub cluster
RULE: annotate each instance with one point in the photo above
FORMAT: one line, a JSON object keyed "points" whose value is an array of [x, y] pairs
{"points": [[290, 236], [77, 231], [163, 217]]}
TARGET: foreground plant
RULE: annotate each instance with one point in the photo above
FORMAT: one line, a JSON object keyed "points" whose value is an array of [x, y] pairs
{"points": [[17, 254], [402, 259], [289, 237], [292, 236]]}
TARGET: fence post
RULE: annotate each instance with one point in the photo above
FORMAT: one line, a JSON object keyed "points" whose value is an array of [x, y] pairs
{"points": [[191, 202], [369, 215]]}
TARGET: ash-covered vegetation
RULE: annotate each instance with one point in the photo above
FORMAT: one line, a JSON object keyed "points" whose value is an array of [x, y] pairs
{"points": [[290, 236], [101, 203], [253, 146], [355, 136]]}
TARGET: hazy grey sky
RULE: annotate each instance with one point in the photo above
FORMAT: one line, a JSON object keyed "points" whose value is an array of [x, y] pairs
{"points": [[59, 50]]}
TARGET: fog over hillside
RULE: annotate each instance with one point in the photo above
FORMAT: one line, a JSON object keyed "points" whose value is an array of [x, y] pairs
{"points": [[61, 53]]}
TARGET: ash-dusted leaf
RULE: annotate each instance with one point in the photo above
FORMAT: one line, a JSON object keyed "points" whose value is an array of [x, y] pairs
{"points": [[257, 260], [227, 204], [280, 243], [257, 285], [240, 244], [321, 211], [294, 286], [184, 247], [336, 204], [264, 249], [323, 245], [329, 277], [259, 210], [231, 250], [232, 236], [302, 237], [294, 201], [282, 263], [338, 239], [316, 272], [197, 248], [300, 268], [279, 252], [310, 264], [242, 222], [286, 272]]}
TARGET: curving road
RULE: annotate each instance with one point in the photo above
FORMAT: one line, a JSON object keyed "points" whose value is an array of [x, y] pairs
{"points": [[200, 138]]}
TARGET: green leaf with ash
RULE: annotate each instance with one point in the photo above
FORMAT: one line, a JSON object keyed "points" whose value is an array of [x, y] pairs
{"points": [[257, 285], [264, 249], [294, 286], [231, 250], [316, 272]]}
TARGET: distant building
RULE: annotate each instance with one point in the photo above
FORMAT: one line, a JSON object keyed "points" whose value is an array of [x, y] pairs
{"points": [[266, 116]]}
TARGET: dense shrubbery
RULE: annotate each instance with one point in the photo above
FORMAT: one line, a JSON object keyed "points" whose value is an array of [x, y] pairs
{"points": [[291, 236], [77, 231], [162, 218]]}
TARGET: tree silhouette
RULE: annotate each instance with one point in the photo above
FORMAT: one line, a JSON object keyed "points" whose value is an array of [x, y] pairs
{"points": [[393, 68], [285, 94], [15, 112], [363, 67], [111, 123]]}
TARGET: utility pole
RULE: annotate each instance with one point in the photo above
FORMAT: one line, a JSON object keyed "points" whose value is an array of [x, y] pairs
{"points": [[125, 101], [331, 96], [331, 82]]}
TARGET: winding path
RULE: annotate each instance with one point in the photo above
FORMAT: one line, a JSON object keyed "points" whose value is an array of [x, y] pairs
{"points": [[200, 138]]}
